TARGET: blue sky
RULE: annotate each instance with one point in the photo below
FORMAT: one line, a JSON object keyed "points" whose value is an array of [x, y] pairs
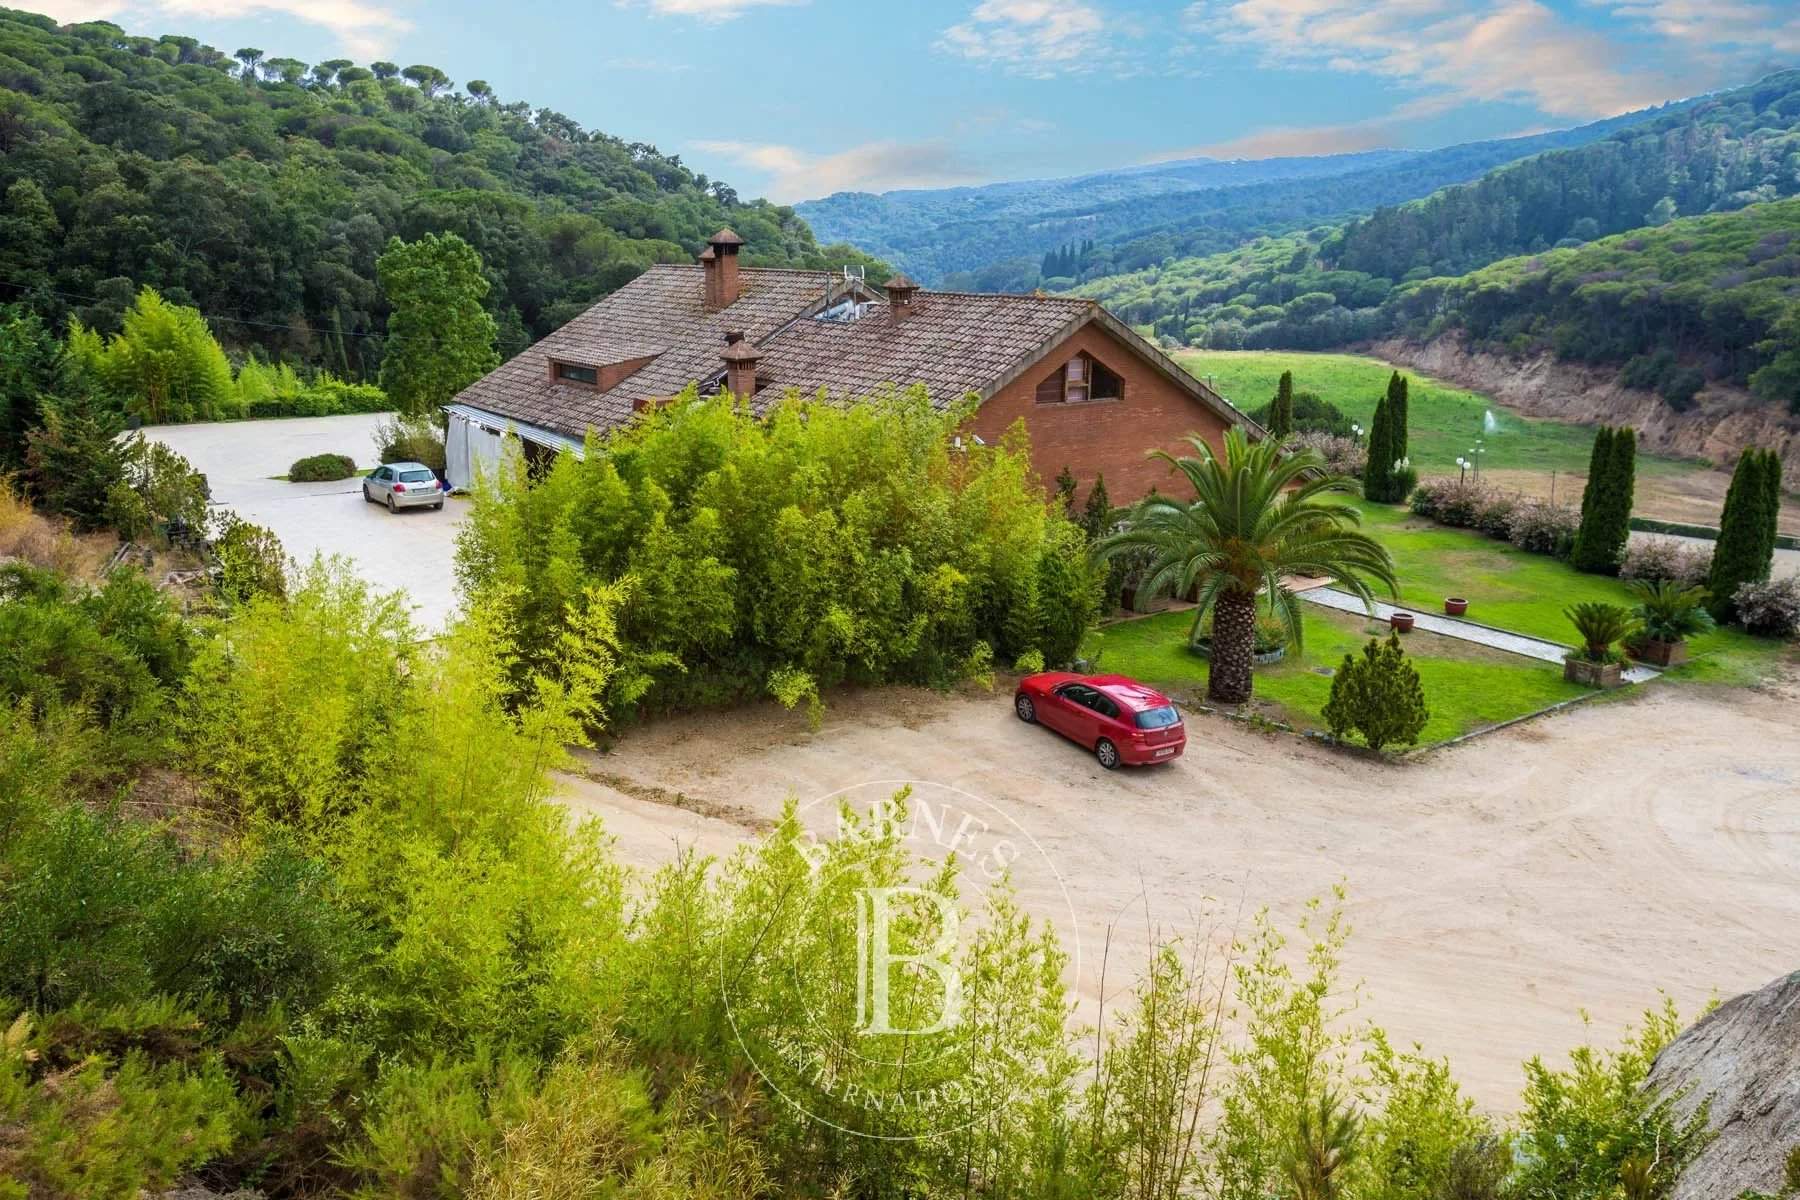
{"points": [[798, 98]]}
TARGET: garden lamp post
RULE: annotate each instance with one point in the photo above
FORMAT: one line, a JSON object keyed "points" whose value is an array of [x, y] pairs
{"points": [[1462, 465]]}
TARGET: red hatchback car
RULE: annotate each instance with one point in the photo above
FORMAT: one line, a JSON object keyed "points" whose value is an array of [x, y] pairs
{"points": [[1119, 719]]}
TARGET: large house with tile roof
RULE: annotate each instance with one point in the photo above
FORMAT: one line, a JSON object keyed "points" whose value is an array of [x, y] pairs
{"points": [[1094, 395]]}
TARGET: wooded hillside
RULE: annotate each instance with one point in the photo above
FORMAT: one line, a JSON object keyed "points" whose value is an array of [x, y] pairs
{"points": [[1324, 287], [261, 190]]}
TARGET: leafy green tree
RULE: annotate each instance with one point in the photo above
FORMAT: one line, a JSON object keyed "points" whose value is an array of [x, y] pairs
{"points": [[1606, 502], [440, 338], [1256, 520], [166, 365], [1745, 550], [1066, 483], [1378, 696], [428, 79], [1281, 411], [250, 57], [384, 70], [29, 233]]}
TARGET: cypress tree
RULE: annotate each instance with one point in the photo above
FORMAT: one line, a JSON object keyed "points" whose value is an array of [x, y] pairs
{"points": [[1378, 475], [1396, 398], [1281, 412], [1771, 505], [1096, 517], [1606, 503], [1597, 460], [1744, 552]]}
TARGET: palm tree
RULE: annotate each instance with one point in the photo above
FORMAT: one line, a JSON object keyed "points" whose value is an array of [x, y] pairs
{"points": [[1260, 514]]}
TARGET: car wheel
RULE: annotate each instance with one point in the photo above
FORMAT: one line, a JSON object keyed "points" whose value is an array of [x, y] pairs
{"points": [[366, 497], [390, 503], [438, 507], [1026, 709], [1107, 753]]}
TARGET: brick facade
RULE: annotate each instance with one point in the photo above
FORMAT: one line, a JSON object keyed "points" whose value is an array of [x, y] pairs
{"points": [[1108, 437]]}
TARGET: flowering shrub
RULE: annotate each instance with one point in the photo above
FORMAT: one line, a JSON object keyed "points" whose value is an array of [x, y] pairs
{"points": [[1428, 498], [1494, 514], [1771, 608], [1460, 505], [1655, 559], [1543, 528], [1345, 456]]}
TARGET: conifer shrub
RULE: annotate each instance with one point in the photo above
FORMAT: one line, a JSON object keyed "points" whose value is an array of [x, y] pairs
{"points": [[1745, 551], [1606, 502], [1378, 696]]}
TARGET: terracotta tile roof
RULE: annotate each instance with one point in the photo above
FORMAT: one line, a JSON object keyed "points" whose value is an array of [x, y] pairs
{"points": [[954, 343]]}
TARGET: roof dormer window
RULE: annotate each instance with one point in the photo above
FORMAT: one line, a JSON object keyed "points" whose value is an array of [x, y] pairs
{"points": [[1080, 379], [574, 373]]}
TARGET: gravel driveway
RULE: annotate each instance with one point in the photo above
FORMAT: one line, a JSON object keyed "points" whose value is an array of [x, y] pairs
{"points": [[413, 549], [1496, 888]]}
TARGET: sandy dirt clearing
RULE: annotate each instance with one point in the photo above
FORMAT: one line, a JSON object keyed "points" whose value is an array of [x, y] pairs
{"points": [[1497, 888]]}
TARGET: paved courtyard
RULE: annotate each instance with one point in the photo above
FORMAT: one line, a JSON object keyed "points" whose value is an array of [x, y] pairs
{"points": [[411, 550]]}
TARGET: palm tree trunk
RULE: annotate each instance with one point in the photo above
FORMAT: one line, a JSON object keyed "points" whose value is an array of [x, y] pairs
{"points": [[1233, 643]]}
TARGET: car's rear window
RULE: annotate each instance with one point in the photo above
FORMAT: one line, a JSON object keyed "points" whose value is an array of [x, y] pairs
{"points": [[1158, 718], [416, 476]]}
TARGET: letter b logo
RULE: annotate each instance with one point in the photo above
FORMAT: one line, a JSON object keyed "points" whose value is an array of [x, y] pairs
{"points": [[876, 959]]}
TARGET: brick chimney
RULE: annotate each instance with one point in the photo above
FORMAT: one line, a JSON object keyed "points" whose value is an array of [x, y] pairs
{"points": [[719, 263], [901, 291], [740, 365]]}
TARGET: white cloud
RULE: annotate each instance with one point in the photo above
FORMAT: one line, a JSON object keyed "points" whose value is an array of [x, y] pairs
{"points": [[1039, 38], [1294, 141], [1515, 50], [1721, 30], [795, 174], [706, 10], [365, 31]]}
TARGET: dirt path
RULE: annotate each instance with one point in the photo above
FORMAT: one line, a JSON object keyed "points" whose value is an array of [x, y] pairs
{"points": [[1497, 888]]}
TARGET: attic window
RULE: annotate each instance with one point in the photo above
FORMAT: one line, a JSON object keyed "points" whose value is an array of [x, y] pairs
{"points": [[571, 373], [1080, 379]]}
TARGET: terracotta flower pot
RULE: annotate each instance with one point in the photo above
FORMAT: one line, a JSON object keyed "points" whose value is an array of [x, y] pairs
{"points": [[1455, 606], [1402, 622]]}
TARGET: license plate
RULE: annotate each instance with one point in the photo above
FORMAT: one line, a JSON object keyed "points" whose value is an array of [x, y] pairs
{"points": [[1164, 753]]}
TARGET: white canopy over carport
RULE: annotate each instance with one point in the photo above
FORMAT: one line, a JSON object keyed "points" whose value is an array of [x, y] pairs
{"points": [[474, 439]]}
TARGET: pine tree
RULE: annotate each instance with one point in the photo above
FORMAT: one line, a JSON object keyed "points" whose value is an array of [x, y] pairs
{"points": [[1281, 412], [1396, 398], [1606, 502], [1379, 473], [1066, 484], [1379, 697], [1745, 550]]}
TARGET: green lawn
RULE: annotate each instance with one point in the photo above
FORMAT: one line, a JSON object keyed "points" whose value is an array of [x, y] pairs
{"points": [[1511, 589], [1466, 687], [1443, 420]]}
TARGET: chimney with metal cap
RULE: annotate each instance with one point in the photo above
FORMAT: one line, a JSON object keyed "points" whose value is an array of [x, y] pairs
{"points": [[901, 292], [719, 262], [740, 365]]}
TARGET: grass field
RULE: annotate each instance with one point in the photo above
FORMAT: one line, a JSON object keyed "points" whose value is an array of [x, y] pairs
{"points": [[1527, 593], [1466, 687], [1444, 421]]}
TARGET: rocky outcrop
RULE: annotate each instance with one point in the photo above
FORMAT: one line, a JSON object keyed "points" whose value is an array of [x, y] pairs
{"points": [[1746, 1057], [1722, 422]]}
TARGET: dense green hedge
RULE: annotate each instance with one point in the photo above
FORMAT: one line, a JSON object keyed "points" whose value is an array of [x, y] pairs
{"points": [[322, 468], [824, 544]]}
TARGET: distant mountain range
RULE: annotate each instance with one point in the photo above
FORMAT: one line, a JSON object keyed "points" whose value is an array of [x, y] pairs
{"points": [[1001, 236]]}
